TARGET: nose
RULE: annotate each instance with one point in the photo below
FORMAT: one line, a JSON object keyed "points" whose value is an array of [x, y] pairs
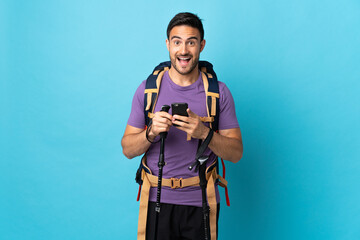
{"points": [[184, 49]]}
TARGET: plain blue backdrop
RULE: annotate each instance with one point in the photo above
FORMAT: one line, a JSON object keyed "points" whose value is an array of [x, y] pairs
{"points": [[68, 73]]}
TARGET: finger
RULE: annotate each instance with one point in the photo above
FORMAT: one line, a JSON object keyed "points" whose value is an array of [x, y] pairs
{"points": [[183, 128], [158, 129], [180, 123], [164, 115], [163, 121], [180, 118], [166, 124]]}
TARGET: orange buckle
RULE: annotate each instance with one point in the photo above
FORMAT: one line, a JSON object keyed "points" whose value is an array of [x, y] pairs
{"points": [[176, 182]]}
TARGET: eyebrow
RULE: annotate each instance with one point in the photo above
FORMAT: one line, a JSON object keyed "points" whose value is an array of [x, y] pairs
{"points": [[181, 38]]}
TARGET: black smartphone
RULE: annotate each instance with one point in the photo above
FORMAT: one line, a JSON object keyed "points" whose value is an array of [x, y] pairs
{"points": [[179, 109]]}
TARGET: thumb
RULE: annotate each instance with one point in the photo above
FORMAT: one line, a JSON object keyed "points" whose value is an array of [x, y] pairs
{"points": [[191, 114]]}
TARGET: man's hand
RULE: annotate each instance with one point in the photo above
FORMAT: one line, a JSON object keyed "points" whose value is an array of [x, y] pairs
{"points": [[226, 144], [135, 142], [192, 125], [161, 122]]}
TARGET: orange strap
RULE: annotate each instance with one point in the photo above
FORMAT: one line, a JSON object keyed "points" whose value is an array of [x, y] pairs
{"points": [[211, 197], [144, 200]]}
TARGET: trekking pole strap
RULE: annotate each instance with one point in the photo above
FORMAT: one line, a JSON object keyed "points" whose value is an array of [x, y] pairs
{"points": [[204, 144]]}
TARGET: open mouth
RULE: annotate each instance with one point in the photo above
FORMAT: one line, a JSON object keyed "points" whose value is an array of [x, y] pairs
{"points": [[184, 61]]}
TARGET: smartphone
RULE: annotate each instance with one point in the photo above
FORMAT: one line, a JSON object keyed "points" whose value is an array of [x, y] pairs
{"points": [[179, 109]]}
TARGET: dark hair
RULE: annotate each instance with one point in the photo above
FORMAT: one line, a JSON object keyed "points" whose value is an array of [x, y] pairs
{"points": [[188, 19]]}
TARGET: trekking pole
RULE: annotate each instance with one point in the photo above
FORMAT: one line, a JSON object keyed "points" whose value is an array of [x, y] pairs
{"points": [[203, 183], [164, 108], [200, 164]]}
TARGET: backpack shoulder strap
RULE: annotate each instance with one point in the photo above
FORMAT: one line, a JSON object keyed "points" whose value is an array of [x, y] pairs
{"points": [[211, 87], [152, 89]]}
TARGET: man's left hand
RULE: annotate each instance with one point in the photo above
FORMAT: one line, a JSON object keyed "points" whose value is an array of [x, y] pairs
{"points": [[192, 125]]}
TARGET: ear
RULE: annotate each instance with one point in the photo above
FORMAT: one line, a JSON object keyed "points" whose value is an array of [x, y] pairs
{"points": [[202, 45], [168, 44]]}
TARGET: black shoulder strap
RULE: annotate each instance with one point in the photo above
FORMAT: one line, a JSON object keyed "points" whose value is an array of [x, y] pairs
{"points": [[211, 87], [152, 89]]}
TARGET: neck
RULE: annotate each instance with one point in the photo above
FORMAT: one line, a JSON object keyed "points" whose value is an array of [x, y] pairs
{"points": [[184, 80]]}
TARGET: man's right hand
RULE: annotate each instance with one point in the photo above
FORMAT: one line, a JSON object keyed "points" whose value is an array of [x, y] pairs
{"points": [[161, 122]]}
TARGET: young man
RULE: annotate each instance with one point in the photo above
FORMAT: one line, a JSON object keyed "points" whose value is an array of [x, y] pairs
{"points": [[181, 212]]}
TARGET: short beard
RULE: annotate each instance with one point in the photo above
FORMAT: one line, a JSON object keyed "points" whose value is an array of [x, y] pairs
{"points": [[192, 66]]}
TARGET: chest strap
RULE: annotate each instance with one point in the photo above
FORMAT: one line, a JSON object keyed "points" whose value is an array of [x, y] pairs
{"points": [[150, 180]]}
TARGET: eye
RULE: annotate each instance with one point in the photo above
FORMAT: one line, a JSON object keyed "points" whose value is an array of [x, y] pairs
{"points": [[176, 43], [191, 43]]}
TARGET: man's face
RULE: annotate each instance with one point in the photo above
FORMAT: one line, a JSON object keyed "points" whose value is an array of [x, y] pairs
{"points": [[184, 47]]}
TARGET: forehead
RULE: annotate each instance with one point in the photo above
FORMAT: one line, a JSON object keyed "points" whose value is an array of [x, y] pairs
{"points": [[184, 32]]}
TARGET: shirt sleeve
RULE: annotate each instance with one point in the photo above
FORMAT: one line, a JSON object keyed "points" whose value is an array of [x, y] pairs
{"points": [[227, 118], [137, 118]]}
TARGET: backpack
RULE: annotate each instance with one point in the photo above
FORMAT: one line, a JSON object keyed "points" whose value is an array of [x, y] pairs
{"points": [[151, 93]]}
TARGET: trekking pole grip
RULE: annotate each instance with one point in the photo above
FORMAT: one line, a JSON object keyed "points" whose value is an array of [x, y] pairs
{"points": [[164, 108]]}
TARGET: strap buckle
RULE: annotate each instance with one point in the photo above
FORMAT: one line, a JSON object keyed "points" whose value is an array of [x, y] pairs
{"points": [[176, 183]]}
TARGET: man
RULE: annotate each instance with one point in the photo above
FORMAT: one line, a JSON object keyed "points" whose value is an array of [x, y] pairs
{"points": [[181, 213]]}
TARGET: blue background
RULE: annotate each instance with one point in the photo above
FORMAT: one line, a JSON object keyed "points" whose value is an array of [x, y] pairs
{"points": [[69, 70]]}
